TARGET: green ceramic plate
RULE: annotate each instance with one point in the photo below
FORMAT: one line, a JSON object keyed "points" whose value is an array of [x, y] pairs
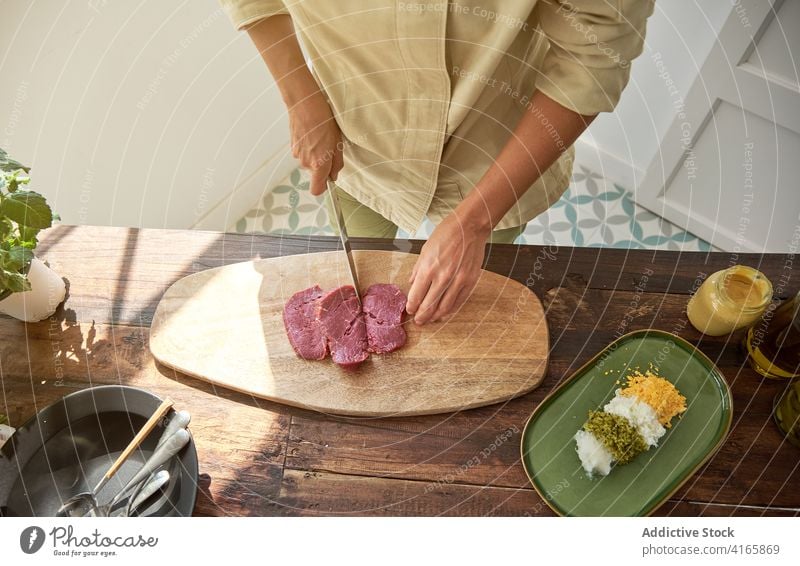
{"points": [[638, 488]]}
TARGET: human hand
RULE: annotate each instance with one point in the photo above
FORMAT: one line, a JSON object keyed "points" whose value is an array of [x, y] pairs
{"points": [[316, 141], [447, 269]]}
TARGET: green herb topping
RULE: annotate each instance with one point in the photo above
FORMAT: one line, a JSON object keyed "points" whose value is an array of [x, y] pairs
{"points": [[619, 436]]}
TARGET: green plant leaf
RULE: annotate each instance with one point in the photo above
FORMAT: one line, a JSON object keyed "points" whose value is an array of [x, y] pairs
{"points": [[14, 281], [23, 213], [15, 259], [27, 208], [27, 237], [8, 164], [5, 228], [10, 181], [14, 182]]}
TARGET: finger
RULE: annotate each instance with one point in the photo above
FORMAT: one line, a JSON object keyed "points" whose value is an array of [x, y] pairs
{"points": [[448, 300], [295, 143], [431, 301], [319, 178], [461, 300], [337, 162], [463, 297], [413, 273], [417, 292]]}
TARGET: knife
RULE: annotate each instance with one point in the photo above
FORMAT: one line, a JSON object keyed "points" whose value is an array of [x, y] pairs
{"points": [[339, 220]]}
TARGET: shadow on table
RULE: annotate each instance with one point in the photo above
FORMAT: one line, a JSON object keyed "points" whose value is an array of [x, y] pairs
{"points": [[249, 489], [58, 348], [69, 346]]}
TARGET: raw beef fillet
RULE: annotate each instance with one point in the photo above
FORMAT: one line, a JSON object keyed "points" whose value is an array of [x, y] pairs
{"points": [[384, 305], [302, 325], [343, 324]]}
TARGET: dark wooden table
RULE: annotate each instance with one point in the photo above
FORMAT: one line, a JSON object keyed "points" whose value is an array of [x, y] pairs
{"points": [[262, 458]]}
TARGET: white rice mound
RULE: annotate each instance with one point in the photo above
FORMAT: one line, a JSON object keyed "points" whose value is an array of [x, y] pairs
{"points": [[639, 414], [594, 456]]}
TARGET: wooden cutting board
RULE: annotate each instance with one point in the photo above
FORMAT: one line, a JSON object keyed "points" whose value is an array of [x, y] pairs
{"points": [[225, 326]]}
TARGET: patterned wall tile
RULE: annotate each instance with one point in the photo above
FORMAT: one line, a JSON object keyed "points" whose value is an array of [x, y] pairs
{"points": [[289, 208], [592, 213]]}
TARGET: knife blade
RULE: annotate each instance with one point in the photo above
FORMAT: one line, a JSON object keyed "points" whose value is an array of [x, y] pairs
{"points": [[339, 220]]}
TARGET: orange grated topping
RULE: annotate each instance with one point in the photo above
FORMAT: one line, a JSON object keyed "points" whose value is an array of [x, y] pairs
{"points": [[657, 392]]}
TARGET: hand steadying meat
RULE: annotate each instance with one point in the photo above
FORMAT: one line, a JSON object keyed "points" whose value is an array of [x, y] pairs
{"points": [[448, 268], [450, 261]]}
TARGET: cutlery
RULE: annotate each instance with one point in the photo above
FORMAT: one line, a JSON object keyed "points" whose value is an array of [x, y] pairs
{"points": [[180, 419], [146, 490], [160, 456], [86, 502]]}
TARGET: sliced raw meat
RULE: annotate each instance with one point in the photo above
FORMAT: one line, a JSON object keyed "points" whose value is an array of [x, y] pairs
{"points": [[302, 325], [384, 305], [343, 324]]}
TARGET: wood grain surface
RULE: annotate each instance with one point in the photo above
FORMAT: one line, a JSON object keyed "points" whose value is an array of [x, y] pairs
{"points": [[225, 326], [263, 458]]}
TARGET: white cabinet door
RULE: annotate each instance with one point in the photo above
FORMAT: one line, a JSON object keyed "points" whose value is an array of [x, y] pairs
{"points": [[728, 167]]}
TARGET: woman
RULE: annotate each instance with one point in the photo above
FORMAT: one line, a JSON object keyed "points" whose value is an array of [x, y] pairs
{"points": [[461, 112]]}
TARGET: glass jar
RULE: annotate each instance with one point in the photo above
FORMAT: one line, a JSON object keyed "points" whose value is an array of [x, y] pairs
{"points": [[787, 413], [728, 300], [773, 344]]}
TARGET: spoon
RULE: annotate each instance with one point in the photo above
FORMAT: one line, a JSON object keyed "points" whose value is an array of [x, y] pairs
{"points": [[180, 419], [146, 490], [162, 454], [86, 502]]}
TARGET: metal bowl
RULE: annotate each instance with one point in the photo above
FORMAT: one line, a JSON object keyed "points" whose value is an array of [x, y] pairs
{"points": [[67, 447]]}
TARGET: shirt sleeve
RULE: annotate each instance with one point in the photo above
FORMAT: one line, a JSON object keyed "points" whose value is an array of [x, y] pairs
{"points": [[592, 44], [245, 12]]}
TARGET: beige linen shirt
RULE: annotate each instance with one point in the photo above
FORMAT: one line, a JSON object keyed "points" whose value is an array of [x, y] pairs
{"points": [[427, 93]]}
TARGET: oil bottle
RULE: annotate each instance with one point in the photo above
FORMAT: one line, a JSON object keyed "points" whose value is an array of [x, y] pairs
{"points": [[773, 343]]}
